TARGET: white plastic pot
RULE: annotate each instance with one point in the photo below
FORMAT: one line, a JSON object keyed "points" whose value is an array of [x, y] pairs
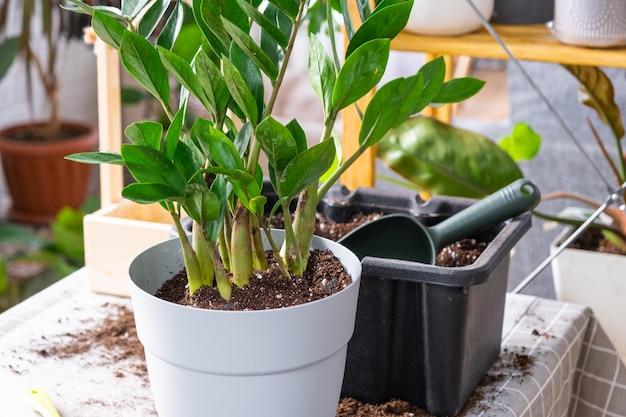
{"points": [[274, 363], [447, 17], [597, 280]]}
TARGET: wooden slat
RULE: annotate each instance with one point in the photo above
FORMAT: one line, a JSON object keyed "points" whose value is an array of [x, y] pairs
{"points": [[526, 42], [109, 119]]}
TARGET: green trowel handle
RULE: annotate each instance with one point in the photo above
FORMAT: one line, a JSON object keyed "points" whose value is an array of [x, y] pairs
{"points": [[510, 201]]}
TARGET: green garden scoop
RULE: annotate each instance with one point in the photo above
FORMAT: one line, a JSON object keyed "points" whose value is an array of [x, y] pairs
{"points": [[403, 237]]}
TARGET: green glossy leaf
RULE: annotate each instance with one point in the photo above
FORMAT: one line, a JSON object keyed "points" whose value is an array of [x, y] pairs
{"points": [[522, 144], [251, 76], [108, 29], [306, 168], [445, 160], [95, 158], [458, 89], [240, 92], [290, 7], [264, 23], [8, 52], [596, 91], [132, 8], [321, 73], [387, 22], [142, 61], [150, 166], [151, 17], [267, 41], [391, 105], [214, 142], [361, 72], [145, 134], [174, 134], [186, 162], [182, 72], [173, 27], [215, 12], [252, 50], [214, 42], [277, 142], [434, 74], [202, 204], [298, 134], [148, 193], [212, 82]]}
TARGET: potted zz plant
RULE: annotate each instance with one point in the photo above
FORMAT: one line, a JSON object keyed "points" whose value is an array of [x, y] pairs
{"points": [[590, 270], [39, 179], [284, 360]]}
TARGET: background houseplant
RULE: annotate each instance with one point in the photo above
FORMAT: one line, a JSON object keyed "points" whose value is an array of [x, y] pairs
{"points": [[210, 169], [39, 180], [590, 270], [32, 258]]}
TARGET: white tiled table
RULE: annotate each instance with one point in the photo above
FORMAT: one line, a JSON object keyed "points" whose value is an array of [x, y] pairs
{"points": [[575, 370]]}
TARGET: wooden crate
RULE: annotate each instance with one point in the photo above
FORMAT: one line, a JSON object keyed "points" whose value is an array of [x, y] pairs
{"points": [[117, 232], [114, 235]]}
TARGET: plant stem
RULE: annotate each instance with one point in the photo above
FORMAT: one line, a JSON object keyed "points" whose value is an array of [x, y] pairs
{"points": [[192, 266], [241, 246]]}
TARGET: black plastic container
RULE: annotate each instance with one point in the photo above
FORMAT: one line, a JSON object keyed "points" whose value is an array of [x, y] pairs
{"points": [[522, 12], [425, 334]]}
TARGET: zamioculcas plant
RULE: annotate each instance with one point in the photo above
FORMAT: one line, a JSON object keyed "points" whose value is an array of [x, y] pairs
{"points": [[209, 168]]}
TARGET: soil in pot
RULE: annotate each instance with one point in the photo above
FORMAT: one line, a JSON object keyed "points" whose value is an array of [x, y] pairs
{"points": [[592, 239], [327, 278]]}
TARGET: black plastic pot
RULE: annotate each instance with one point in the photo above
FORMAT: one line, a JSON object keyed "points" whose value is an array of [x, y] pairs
{"points": [[425, 334], [522, 12]]}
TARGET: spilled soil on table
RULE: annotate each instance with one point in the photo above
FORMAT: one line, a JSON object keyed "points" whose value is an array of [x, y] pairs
{"points": [[115, 335]]}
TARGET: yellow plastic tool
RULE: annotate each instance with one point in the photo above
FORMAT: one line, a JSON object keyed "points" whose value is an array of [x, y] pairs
{"points": [[40, 401]]}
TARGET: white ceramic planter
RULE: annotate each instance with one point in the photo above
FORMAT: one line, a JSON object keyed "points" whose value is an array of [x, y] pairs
{"points": [[597, 280], [592, 23], [447, 17], [275, 363]]}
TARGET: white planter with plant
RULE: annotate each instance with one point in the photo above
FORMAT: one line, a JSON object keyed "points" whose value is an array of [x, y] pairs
{"points": [[587, 275], [597, 280], [209, 167], [281, 362]]}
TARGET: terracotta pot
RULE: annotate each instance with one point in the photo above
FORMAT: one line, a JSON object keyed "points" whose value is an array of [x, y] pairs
{"points": [[39, 179]]}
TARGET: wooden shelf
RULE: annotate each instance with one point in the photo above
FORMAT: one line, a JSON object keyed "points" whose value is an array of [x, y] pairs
{"points": [[525, 42]]}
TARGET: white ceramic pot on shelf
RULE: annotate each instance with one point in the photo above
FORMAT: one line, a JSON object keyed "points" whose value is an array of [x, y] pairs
{"points": [[597, 280], [590, 23], [272, 363], [447, 17]]}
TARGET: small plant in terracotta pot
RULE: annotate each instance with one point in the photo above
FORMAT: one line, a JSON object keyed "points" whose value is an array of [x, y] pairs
{"points": [[39, 180], [208, 169]]}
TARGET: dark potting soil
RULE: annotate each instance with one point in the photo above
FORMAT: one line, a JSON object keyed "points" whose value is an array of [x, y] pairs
{"points": [[116, 335], [270, 289], [43, 133], [592, 239], [324, 276]]}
